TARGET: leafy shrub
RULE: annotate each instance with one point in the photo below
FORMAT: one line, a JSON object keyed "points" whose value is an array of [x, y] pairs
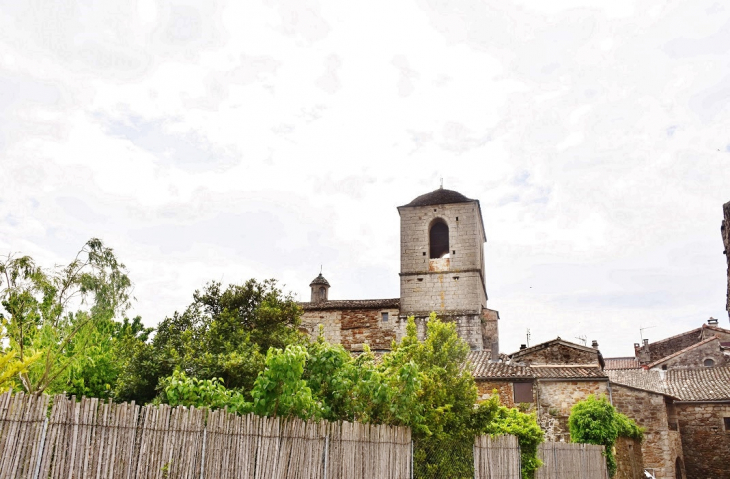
{"points": [[595, 421]]}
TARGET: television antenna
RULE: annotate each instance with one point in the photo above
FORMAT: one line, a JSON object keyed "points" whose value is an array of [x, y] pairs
{"points": [[528, 337], [641, 331], [583, 339]]}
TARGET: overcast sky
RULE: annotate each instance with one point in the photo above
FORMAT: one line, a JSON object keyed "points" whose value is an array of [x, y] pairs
{"points": [[206, 140]]}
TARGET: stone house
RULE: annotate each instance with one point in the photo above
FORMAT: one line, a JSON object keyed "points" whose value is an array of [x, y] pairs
{"points": [[678, 389], [696, 409], [548, 378], [441, 269]]}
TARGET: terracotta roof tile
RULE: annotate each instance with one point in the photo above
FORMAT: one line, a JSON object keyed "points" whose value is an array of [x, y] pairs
{"points": [[567, 372], [483, 369], [622, 363], [639, 378], [352, 304], [705, 384]]}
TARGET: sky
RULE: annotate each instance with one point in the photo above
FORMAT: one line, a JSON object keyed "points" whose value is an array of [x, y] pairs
{"points": [[210, 140]]}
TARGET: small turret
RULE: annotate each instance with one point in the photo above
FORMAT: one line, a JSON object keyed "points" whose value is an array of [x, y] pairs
{"points": [[320, 289]]}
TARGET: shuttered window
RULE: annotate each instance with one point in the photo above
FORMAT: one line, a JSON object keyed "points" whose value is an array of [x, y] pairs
{"points": [[523, 392]]}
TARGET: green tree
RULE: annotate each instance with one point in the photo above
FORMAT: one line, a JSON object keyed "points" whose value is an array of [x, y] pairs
{"points": [[223, 333], [596, 421], [181, 390], [49, 312], [279, 389], [447, 391], [107, 350]]}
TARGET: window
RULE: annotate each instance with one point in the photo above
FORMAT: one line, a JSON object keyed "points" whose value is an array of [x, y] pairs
{"points": [[727, 423], [384, 316], [438, 239], [523, 392], [709, 363], [322, 293]]}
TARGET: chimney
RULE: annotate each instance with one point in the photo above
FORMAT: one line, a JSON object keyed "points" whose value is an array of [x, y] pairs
{"points": [[642, 353], [594, 344], [712, 321], [523, 346]]}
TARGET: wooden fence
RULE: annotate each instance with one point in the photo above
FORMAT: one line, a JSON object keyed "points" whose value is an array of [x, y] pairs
{"points": [[564, 460], [93, 440], [496, 457]]}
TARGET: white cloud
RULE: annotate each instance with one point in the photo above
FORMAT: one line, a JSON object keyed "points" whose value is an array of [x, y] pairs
{"points": [[213, 140]]}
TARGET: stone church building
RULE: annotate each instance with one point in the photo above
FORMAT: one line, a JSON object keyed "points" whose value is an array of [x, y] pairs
{"points": [[677, 389], [441, 269]]}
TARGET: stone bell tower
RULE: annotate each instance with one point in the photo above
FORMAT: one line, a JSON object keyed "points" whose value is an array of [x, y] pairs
{"points": [[442, 266]]}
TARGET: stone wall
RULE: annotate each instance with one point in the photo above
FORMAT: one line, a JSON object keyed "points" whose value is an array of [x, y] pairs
{"points": [[629, 459], [695, 357], [504, 388], [557, 353], [662, 349], [661, 446], [355, 327], [556, 398], [490, 330], [705, 440], [725, 230]]}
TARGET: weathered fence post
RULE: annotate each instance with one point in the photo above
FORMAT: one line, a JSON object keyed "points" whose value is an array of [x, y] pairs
{"points": [[202, 454], [40, 450], [326, 453]]}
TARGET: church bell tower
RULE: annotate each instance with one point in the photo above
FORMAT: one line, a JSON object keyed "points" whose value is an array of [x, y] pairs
{"points": [[442, 266]]}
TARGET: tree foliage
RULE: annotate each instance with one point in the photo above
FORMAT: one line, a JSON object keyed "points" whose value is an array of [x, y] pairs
{"points": [[48, 313], [223, 333], [596, 421]]}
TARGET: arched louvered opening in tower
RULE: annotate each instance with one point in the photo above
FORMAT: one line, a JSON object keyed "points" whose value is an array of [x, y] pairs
{"points": [[322, 294], [438, 239]]}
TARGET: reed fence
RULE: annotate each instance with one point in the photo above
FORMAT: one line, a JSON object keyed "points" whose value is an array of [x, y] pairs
{"points": [[563, 460], [90, 439], [496, 457]]}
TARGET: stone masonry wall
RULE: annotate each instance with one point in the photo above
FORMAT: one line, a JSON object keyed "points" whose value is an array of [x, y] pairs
{"points": [[705, 440], [556, 398], [694, 358], [629, 460], [661, 446], [559, 354], [662, 349], [355, 327], [442, 292], [504, 390]]}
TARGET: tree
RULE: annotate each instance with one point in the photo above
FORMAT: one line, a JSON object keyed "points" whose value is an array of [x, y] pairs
{"points": [[447, 390], [223, 333], [48, 312], [11, 366], [596, 421], [106, 352]]}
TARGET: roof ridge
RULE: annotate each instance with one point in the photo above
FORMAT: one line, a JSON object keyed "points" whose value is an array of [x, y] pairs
{"points": [[677, 335], [558, 339]]}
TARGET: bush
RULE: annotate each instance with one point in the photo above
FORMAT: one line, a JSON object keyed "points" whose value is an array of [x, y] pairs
{"points": [[596, 421]]}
